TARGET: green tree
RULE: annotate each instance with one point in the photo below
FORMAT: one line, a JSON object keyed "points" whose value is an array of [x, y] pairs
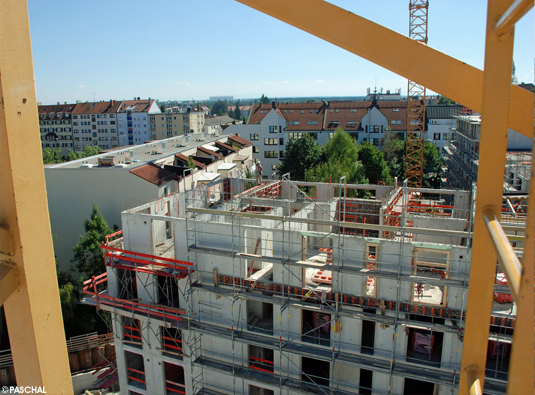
{"points": [[89, 150], [52, 155], [237, 110], [232, 114], [219, 108], [88, 257], [433, 166], [375, 166], [264, 99], [341, 158], [394, 154], [445, 100], [191, 164], [299, 156]]}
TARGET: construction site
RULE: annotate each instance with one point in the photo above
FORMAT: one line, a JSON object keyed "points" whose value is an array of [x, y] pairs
{"points": [[291, 287]]}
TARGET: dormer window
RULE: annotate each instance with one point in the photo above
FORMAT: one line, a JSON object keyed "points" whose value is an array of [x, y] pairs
{"points": [[395, 109], [51, 115], [312, 122], [353, 110], [42, 115], [59, 114], [67, 114]]}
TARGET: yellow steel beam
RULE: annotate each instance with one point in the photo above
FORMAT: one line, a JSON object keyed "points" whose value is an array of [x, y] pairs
{"points": [[9, 280], [521, 364], [509, 262], [516, 11], [493, 147], [434, 70], [33, 312]]}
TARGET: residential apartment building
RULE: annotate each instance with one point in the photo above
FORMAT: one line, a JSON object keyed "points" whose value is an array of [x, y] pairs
{"points": [[440, 120], [55, 127], [271, 126], [175, 123], [133, 121], [462, 156], [265, 290], [95, 124]]}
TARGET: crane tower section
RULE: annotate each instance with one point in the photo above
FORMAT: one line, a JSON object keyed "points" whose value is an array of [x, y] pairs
{"points": [[414, 155]]}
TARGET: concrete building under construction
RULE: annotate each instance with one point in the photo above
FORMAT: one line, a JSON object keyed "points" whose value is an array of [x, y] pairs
{"points": [[291, 287]]}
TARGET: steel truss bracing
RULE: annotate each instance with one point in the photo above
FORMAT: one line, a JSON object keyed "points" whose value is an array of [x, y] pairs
{"points": [[416, 97]]}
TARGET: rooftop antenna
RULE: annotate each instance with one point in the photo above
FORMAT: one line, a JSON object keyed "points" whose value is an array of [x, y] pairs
{"points": [[94, 96]]}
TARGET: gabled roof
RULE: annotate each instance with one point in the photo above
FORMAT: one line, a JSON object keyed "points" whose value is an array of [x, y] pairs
{"points": [[394, 110], [101, 107], [209, 152], [240, 141], [185, 159], [154, 174]]}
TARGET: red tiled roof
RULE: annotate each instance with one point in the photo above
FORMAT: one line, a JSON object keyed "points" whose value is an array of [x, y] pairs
{"points": [[346, 115], [102, 107], [209, 152], [240, 141], [387, 109], [58, 108], [223, 145], [185, 159], [154, 174], [136, 105]]}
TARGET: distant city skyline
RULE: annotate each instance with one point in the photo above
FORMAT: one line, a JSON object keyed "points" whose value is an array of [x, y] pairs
{"points": [[182, 51]]}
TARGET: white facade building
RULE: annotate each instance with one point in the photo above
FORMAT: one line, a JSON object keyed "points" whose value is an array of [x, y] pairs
{"points": [[133, 121]]}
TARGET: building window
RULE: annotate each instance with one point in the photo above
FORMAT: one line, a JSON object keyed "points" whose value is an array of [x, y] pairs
{"points": [[295, 136], [395, 109], [254, 136], [312, 122], [273, 167], [281, 141], [273, 129], [256, 149], [271, 141], [281, 154], [436, 136], [271, 154], [302, 112], [294, 122]]}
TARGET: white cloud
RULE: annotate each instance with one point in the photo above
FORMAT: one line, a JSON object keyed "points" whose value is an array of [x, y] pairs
{"points": [[319, 82], [81, 86], [182, 83]]}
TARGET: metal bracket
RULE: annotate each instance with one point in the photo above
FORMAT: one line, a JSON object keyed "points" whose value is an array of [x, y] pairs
{"points": [[9, 280]]}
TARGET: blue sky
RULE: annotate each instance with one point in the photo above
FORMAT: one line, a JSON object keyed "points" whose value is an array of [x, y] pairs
{"points": [[167, 50]]}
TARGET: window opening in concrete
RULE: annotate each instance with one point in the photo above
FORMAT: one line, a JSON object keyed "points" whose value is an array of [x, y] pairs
{"points": [[135, 370], [424, 347], [365, 382], [417, 387], [162, 236], [309, 190], [315, 371], [168, 291], [132, 331], [174, 379], [171, 340], [260, 317], [430, 265], [261, 359], [371, 259], [368, 334], [361, 211], [316, 327], [126, 284], [498, 354], [254, 390]]}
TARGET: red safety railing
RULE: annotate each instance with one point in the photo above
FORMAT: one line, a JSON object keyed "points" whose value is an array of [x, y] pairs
{"points": [[91, 287], [136, 375], [144, 263], [173, 345], [175, 388], [255, 361]]}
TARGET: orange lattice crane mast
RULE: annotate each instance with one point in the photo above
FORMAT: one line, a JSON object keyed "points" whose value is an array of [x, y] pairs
{"points": [[414, 154]]}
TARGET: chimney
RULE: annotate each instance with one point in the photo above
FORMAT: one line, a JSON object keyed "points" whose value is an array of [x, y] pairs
{"points": [[274, 104], [58, 103]]}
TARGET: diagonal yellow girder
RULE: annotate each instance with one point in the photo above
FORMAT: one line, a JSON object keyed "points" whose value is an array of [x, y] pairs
{"points": [[435, 70]]}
